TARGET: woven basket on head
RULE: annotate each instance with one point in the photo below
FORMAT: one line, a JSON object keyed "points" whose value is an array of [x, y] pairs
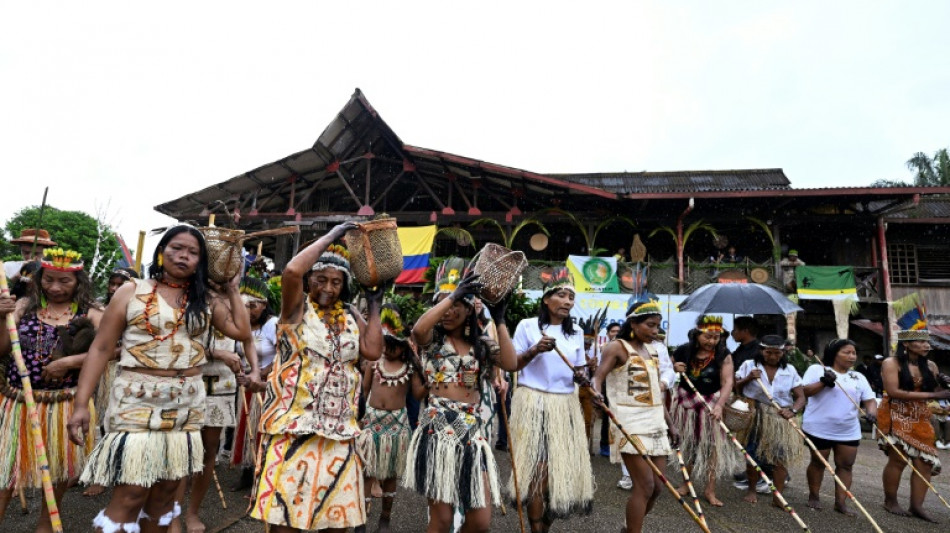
{"points": [[736, 420], [375, 253], [225, 258], [499, 269]]}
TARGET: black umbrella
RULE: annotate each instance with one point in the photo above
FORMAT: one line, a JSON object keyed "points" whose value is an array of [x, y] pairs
{"points": [[739, 299]]}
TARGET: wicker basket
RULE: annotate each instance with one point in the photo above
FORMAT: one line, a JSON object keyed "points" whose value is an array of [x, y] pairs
{"points": [[225, 258], [375, 253], [736, 420], [499, 269]]}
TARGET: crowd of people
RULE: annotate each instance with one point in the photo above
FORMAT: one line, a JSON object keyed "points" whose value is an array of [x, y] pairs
{"points": [[327, 406]]}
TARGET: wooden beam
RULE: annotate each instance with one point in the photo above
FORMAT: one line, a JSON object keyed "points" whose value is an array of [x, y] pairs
{"points": [[429, 190], [388, 187], [343, 178]]}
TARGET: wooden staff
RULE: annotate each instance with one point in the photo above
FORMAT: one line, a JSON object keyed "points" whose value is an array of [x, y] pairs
{"points": [[887, 439], [23, 507], [39, 446], [511, 453], [821, 458], [214, 473], [635, 442], [748, 458], [689, 484]]}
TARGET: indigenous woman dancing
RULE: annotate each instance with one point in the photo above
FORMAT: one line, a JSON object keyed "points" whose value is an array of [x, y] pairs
{"points": [[255, 294], [910, 381], [61, 296], [450, 460], [772, 439], [547, 425], [705, 447], [309, 475], [156, 410], [631, 367], [831, 420]]}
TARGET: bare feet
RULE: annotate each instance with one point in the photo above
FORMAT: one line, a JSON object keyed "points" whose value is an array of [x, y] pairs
{"points": [[93, 490], [376, 491], [713, 500], [843, 509], [893, 508], [814, 503], [193, 524], [919, 513], [383, 526], [750, 498]]}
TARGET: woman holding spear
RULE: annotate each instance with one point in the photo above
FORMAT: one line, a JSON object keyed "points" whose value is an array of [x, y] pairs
{"points": [[631, 368], [60, 304], [831, 421]]}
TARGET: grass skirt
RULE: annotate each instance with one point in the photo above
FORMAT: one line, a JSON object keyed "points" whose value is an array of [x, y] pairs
{"points": [[246, 437], [449, 457], [104, 389], [776, 441], [384, 442], [547, 431], [704, 444], [155, 425], [308, 482], [18, 466]]}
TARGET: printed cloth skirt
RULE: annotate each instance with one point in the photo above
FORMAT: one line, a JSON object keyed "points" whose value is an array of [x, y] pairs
{"points": [[450, 459], [18, 466], [308, 482], [646, 424], [906, 423], [154, 431], [220, 394], [384, 442], [547, 432]]}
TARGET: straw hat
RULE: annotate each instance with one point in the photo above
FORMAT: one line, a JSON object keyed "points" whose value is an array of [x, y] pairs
{"points": [[27, 236]]}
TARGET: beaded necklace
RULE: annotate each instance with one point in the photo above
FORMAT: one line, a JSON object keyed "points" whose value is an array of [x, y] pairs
{"points": [[335, 318], [45, 312], [174, 285], [393, 379], [150, 306], [698, 365]]}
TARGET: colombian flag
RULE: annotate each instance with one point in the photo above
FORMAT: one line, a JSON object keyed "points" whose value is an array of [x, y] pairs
{"points": [[416, 245]]}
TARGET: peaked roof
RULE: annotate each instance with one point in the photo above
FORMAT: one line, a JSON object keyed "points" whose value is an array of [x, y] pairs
{"points": [[683, 181]]}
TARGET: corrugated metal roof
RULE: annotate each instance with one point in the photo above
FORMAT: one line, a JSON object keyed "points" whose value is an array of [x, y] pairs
{"points": [[928, 208], [683, 181]]}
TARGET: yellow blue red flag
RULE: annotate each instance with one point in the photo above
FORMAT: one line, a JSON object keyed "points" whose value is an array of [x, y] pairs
{"points": [[416, 243]]}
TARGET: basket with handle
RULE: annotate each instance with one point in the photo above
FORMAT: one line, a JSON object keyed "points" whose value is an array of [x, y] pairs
{"points": [[499, 269], [375, 252], [736, 419], [225, 258]]}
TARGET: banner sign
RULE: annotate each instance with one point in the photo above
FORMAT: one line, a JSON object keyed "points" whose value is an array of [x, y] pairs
{"points": [[594, 274]]}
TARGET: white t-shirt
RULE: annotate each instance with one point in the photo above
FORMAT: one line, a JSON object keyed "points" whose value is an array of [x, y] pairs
{"points": [[830, 414], [265, 341], [12, 269], [780, 387], [667, 375], [547, 372]]}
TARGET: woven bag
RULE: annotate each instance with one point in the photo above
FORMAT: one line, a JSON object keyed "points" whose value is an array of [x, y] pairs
{"points": [[499, 269], [225, 258], [736, 420], [375, 253]]}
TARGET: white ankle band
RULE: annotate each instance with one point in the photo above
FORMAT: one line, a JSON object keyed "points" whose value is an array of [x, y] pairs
{"points": [[166, 519], [107, 525]]}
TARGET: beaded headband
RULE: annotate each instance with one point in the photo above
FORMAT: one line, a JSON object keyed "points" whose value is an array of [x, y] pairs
{"points": [[335, 256], [560, 279], [253, 290], [62, 260], [913, 335], [710, 323], [649, 307]]}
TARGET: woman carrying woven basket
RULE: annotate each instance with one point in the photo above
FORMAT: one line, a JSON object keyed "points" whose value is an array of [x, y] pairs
{"points": [[831, 420], [630, 366], [547, 425], [772, 440], [309, 475], [708, 365], [450, 460], [60, 299], [158, 398]]}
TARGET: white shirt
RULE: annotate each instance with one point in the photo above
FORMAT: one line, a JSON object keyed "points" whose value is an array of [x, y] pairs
{"points": [[780, 387], [12, 269], [830, 414], [667, 375], [547, 372], [265, 341]]}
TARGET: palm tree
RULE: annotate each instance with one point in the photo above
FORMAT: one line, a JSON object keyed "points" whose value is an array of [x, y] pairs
{"points": [[931, 172], [461, 236], [508, 238], [590, 237]]}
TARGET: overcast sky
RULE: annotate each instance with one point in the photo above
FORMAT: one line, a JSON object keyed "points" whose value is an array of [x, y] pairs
{"points": [[131, 104]]}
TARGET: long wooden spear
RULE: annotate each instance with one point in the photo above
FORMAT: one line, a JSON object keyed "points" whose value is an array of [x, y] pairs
{"points": [[748, 458], [39, 446], [824, 461], [635, 442], [39, 224], [511, 453], [887, 439]]}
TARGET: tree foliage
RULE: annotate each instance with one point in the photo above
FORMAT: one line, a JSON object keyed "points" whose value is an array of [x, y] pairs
{"points": [[931, 171], [72, 230]]}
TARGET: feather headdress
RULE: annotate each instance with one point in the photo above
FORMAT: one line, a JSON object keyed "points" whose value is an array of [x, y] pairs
{"points": [[560, 279]]}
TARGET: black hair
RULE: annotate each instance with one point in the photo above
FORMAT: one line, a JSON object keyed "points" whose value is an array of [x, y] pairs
{"points": [[626, 329], [346, 292], [196, 311], [692, 346], [21, 288], [832, 349], [389, 340], [746, 323], [472, 333], [612, 324], [83, 297], [266, 314], [904, 380], [544, 318], [760, 359]]}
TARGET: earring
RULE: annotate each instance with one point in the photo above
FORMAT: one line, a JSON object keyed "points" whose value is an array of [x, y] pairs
{"points": [[468, 330], [161, 260]]}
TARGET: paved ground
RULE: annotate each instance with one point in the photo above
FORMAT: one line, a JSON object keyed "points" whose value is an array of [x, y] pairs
{"points": [[737, 516]]}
